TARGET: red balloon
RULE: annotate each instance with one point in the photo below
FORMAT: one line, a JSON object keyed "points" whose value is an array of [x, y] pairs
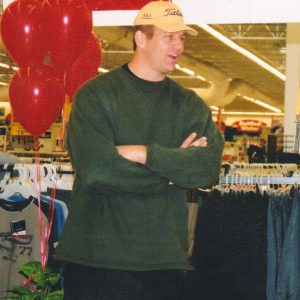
{"points": [[22, 32], [85, 66], [37, 97], [68, 26]]}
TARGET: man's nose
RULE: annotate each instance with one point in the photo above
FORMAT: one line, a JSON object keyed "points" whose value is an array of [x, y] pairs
{"points": [[178, 42]]}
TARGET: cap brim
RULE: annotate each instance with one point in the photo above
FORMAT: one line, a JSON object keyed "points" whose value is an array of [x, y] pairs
{"points": [[177, 27]]}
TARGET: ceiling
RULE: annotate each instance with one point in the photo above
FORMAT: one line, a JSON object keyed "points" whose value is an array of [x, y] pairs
{"points": [[226, 75]]}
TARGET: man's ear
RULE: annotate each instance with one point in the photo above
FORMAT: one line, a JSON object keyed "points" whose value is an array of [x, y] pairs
{"points": [[139, 37]]}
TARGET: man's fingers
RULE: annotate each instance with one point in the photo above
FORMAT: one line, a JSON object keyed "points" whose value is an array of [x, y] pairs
{"points": [[201, 142], [189, 140]]}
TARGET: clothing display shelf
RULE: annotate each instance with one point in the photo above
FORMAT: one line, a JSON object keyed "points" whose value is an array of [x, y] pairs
{"points": [[30, 157]]}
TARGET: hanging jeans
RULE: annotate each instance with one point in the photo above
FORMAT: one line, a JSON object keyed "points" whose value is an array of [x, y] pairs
{"points": [[230, 249], [289, 270], [283, 248]]}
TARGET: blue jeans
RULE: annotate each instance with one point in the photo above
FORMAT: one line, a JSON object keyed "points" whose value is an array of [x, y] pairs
{"points": [[283, 248]]}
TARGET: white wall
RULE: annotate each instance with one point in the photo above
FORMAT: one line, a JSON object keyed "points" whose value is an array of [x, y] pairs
{"points": [[214, 12], [217, 12]]}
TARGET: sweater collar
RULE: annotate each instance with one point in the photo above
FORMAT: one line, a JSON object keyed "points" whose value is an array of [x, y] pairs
{"points": [[144, 82]]}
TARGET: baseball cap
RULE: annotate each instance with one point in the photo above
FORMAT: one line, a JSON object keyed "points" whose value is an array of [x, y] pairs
{"points": [[165, 15]]}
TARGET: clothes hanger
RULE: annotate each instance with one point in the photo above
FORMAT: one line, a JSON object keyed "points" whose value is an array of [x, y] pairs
{"points": [[17, 185]]}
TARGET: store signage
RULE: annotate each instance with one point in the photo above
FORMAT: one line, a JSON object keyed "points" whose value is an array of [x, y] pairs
{"points": [[249, 126]]}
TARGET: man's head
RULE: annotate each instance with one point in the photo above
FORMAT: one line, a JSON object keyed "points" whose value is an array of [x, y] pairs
{"points": [[165, 15], [159, 34]]}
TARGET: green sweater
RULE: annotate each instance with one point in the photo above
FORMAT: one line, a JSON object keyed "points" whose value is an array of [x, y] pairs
{"points": [[125, 215]]}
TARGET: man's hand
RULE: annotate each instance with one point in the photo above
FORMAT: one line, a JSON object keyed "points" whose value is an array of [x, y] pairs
{"points": [[193, 140], [138, 153], [135, 153]]}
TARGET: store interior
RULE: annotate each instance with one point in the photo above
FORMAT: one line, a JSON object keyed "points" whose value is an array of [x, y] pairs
{"points": [[238, 88], [245, 73]]}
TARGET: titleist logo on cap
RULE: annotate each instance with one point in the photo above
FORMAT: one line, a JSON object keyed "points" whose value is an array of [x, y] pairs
{"points": [[168, 12], [172, 12]]}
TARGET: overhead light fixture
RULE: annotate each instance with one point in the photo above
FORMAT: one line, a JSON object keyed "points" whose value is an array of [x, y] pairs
{"points": [[102, 70], [201, 77], [190, 72], [242, 50], [282, 50], [4, 65], [261, 103], [8, 66], [3, 83], [213, 107], [187, 71]]}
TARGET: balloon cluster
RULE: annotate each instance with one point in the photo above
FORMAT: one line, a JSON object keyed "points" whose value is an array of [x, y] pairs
{"points": [[53, 44]]}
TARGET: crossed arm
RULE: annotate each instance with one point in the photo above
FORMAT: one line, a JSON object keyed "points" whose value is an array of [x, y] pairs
{"points": [[138, 153]]}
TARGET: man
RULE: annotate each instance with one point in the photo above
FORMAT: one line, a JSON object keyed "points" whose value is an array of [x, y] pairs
{"points": [[137, 141]]}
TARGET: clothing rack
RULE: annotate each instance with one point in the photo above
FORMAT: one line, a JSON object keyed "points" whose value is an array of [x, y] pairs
{"points": [[260, 180], [230, 168], [24, 176]]}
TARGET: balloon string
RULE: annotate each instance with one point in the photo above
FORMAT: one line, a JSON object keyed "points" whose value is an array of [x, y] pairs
{"points": [[63, 117], [44, 238], [51, 214], [38, 181], [66, 99]]}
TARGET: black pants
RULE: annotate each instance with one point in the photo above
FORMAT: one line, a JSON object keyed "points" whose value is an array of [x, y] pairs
{"points": [[86, 283]]}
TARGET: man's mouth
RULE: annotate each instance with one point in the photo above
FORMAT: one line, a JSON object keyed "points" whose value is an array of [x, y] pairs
{"points": [[174, 57]]}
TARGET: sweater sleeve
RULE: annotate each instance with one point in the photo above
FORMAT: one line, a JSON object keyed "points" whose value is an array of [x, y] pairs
{"points": [[193, 167], [99, 167]]}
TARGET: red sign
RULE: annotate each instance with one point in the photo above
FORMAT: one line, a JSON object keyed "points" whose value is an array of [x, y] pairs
{"points": [[116, 4], [249, 126]]}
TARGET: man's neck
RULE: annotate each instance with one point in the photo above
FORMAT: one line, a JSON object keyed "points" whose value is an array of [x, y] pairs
{"points": [[142, 71]]}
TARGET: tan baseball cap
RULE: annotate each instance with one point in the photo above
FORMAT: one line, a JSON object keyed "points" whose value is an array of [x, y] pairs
{"points": [[165, 15]]}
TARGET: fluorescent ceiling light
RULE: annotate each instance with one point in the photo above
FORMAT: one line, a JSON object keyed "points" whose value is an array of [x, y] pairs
{"points": [[261, 103], [214, 107], [4, 65], [8, 66], [190, 72], [3, 83], [241, 50], [102, 70], [201, 77]]}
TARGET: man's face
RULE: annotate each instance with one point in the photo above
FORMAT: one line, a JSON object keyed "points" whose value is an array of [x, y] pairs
{"points": [[163, 50]]}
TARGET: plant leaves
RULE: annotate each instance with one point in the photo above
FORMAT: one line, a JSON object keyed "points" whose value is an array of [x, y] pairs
{"points": [[31, 268], [25, 297], [56, 295], [43, 281], [20, 290], [34, 268], [54, 278]]}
